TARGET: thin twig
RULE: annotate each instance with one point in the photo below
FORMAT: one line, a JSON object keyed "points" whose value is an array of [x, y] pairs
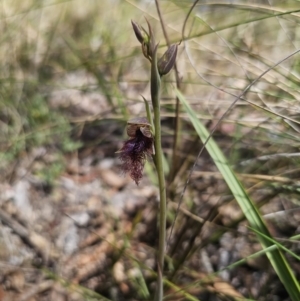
{"points": [[32, 239], [41, 287]]}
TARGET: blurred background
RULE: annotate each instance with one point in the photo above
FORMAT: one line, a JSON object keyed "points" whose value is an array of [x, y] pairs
{"points": [[72, 226]]}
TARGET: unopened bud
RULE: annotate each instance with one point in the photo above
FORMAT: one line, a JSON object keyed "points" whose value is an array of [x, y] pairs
{"points": [[167, 61], [144, 38], [137, 32]]}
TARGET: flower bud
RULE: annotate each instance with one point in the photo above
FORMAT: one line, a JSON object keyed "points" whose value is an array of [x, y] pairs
{"points": [[167, 61], [144, 38], [137, 31]]}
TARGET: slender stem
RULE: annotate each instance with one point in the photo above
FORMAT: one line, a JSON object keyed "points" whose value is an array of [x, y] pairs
{"points": [[155, 96], [162, 193], [177, 123]]}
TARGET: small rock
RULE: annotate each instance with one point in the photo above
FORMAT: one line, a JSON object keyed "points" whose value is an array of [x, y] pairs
{"points": [[81, 219], [118, 272]]}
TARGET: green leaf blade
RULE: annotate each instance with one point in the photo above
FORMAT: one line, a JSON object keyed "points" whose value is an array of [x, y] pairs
{"points": [[276, 257]]}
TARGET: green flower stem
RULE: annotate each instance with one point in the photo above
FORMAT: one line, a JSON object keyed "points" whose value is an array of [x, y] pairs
{"points": [[155, 96], [149, 115]]}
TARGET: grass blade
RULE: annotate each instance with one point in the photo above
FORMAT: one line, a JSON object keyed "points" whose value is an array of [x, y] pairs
{"points": [[276, 258]]}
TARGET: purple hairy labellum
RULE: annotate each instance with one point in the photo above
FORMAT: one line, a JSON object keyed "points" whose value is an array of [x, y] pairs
{"points": [[135, 150]]}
